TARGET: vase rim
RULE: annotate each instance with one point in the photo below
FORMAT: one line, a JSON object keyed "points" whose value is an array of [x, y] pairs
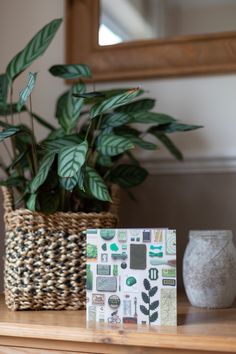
{"points": [[193, 234]]}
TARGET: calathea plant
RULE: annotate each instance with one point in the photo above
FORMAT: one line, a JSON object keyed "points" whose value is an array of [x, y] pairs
{"points": [[74, 167]]}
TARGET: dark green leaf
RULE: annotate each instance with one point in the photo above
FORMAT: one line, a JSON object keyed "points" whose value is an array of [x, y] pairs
{"points": [[113, 102], [70, 111], [6, 133], [104, 161], [12, 181], [3, 90], [112, 145], [154, 305], [107, 94], [70, 71], [55, 134], [144, 104], [168, 144], [115, 120], [96, 185], [136, 140], [49, 202], [153, 317], [31, 202], [151, 117], [71, 159], [57, 144], [61, 101], [145, 298], [153, 291], [5, 125], [144, 310], [146, 284], [43, 171], [177, 127], [127, 176], [126, 130], [10, 109], [36, 47], [18, 160], [93, 94], [43, 122]]}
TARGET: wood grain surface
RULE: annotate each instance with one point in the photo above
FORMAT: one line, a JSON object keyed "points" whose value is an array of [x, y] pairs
{"points": [[198, 329]]}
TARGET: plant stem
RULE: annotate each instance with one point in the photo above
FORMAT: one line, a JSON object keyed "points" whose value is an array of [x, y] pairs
{"points": [[34, 151], [95, 154], [12, 122], [88, 129]]}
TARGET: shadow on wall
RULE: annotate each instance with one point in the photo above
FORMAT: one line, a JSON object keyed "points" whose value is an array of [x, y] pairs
{"points": [[182, 202]]}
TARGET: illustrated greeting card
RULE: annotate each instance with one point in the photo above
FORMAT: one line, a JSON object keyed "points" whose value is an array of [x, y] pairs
{"points": [[131, 276]]}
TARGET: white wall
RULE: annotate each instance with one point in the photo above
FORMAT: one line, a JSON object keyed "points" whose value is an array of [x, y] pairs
{"points": [[208, 100]]}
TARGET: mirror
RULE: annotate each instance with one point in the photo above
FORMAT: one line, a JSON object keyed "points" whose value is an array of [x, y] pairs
{"points": [[151, 38], [132, 20]]}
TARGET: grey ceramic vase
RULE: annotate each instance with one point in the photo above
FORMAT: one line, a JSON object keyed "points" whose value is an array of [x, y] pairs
{"points": [[209, 269]]}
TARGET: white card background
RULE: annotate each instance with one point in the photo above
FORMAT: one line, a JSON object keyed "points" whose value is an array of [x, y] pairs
{"points": [[137, 276]]}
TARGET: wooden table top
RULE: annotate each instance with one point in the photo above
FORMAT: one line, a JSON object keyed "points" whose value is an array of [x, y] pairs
{"points": [[210, 330]]}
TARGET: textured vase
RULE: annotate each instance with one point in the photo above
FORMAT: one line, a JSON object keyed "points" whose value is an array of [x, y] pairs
{"points": [[209, 269]]}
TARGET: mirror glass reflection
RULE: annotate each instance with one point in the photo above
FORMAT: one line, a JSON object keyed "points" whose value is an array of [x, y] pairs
{"points": [[131, 20]]}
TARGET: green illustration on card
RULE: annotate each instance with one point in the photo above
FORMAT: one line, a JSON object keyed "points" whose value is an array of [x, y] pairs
{"points": [[92, 251]]}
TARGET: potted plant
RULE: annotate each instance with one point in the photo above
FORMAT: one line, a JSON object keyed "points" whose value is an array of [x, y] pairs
{"points": [[56, 188]]}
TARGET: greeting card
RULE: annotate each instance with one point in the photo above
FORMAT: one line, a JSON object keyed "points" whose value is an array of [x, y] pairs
{"points": [[131, 276]]}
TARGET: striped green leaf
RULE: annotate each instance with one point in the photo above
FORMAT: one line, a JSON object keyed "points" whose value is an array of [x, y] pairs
{"points": [[6, 133], [111, 145], [127, 176], [43, 171], [176, 127], [70, 71], [151, 117], [105, 161], [144, 104], [115, 120], [107, 94], [3, 90], [71, 159], [168, 144], [26, 92], [69, 182], [136, 140], [70, 111], [36, 47], [57, 144], [96, 185], [92, 94], [113, 102], [31, 203]]}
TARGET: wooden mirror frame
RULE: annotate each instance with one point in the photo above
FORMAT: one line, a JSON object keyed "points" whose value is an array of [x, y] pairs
{"points": [[175, 56]]}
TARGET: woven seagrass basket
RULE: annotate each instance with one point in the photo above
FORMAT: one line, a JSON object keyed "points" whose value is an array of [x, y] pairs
{"points": [[45, 258]]}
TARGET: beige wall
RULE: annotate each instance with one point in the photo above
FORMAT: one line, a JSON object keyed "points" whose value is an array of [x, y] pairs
{"points": [[183, 201]]}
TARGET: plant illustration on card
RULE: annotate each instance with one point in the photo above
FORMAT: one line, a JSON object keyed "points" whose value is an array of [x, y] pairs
{"points": [[151, 291]]}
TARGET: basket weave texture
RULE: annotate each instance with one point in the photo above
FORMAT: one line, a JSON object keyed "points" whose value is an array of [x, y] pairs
{"points": [[45, 259]]}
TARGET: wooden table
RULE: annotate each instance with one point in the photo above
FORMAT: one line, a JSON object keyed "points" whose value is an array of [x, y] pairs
{"points": [[50, 332]]}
